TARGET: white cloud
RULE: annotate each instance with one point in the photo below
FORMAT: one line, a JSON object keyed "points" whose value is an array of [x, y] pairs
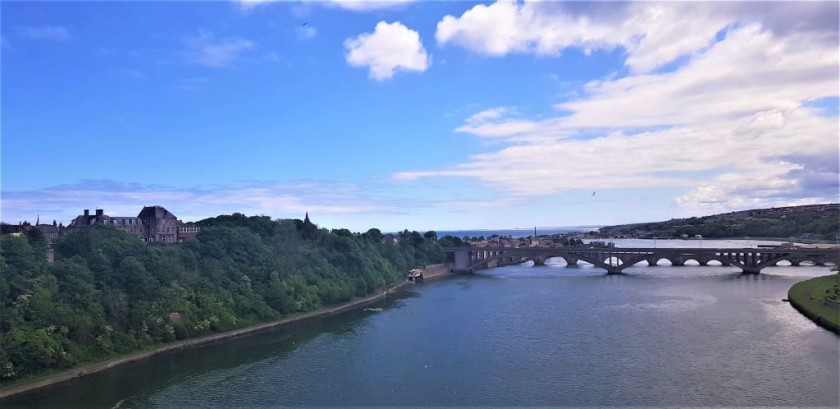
{"points": [[44, 33], [751, 71], [367, 5], [647, 31], [730, 127], [205, 49], [248, 5], [278, 199], [390, 48], [487, 115], [334, 204], [352, 5]]}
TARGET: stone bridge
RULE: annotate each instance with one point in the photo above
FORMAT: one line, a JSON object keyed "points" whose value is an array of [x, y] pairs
{"points": [[615, 260]]}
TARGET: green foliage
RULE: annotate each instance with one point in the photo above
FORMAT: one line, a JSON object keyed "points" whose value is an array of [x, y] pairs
{"points": [[109, 293], [451, 241], [801, 225]]}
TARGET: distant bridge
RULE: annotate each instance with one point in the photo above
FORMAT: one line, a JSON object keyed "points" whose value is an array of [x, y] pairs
{"points": [[615, 260]]}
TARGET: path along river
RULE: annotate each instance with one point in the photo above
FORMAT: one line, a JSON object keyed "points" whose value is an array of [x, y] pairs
{"points": [[512, 336]]}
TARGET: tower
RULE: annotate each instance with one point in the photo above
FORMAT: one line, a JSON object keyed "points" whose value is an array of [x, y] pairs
{"points": [[308, 230]]}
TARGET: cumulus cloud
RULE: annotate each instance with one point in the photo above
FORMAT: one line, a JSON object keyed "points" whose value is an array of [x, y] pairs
{"points": [[731, 126], [207, 50], [44, 33], [645, 30], [390, 48]]}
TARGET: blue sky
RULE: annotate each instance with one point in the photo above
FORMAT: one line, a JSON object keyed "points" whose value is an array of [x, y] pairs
{"points": [[418, 115]]}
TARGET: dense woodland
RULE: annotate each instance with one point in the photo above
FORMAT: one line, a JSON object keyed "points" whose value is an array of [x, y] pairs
{"points": [[109, 294]]}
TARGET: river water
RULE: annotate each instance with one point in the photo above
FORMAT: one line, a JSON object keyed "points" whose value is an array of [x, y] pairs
{"points": [[512, 336]]}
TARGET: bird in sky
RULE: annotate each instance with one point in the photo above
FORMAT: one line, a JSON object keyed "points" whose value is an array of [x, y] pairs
{"points": [[305, 23], [593, 193]]}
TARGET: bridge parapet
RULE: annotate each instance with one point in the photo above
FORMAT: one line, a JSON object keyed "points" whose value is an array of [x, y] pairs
{"points": [[615, 260]]}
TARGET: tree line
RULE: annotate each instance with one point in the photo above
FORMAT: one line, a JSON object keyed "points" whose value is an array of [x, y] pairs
{"points": [[109, 294], [825, 228]]}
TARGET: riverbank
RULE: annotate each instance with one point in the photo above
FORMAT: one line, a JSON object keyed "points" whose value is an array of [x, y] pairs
{"points": [[53, 379], [808, 297]]}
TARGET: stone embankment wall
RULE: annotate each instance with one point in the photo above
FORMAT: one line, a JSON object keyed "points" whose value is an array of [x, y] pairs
{"points": [[436, 270]]}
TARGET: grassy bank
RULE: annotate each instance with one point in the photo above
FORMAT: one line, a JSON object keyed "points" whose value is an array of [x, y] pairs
{"points": [[809, 298]]}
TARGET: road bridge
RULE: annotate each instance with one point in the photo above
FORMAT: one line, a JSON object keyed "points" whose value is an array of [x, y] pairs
{"points": [[615, 260]]}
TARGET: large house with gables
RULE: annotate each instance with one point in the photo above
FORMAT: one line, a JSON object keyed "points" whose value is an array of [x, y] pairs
{"points": [[154, 224]]}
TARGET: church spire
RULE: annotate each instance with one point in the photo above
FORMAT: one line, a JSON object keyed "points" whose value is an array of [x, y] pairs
{"points": [[306, 219]]}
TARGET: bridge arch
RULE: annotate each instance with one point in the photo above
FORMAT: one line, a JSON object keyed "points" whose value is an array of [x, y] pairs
{"points": [[655, 261], [564, 260], [614, 260]]}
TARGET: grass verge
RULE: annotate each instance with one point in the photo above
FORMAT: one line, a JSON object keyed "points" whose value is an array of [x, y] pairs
{"points": [[809, 298]]}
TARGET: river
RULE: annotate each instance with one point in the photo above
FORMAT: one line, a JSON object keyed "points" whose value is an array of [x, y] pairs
{"points": [[512, 336]]}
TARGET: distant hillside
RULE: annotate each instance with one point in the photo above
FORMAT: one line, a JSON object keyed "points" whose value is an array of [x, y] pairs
{"points": [[814, 222]]}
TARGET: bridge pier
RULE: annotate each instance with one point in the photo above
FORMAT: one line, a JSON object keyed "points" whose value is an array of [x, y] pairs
{"points": [[571, 261], [462, 261]]}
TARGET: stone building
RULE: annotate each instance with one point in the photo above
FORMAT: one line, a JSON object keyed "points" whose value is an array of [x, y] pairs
{"points": [[50, 231], [161, 225], [153, 224]]}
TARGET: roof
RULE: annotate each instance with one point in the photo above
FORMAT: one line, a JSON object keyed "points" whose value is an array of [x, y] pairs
{"points": [[47, 228], [83, 220], [157, 212]]}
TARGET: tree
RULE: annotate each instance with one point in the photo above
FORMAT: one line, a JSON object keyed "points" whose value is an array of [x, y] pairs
{"points": [[373, 235], [110, 293]]}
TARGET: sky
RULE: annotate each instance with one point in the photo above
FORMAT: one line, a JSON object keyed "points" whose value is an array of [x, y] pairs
{"points": [[419, 115]]}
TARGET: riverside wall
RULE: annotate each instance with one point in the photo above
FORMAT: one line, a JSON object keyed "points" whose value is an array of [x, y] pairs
{"points": [[436, 271]]}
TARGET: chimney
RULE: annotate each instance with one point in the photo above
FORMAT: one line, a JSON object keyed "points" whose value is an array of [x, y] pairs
{"points": [[87, 212], [99, 212]]}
